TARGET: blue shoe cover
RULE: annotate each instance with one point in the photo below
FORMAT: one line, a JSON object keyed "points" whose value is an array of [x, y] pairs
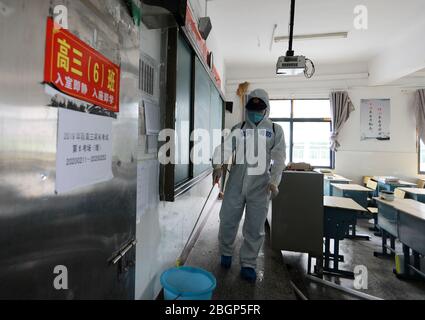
{"points": [[249, 274], [226, 262]]}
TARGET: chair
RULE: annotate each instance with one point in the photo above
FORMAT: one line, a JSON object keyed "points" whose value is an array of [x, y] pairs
{"points": [[421, 183], [399, 194], [366, 180], [374, 213], [373, 186]]}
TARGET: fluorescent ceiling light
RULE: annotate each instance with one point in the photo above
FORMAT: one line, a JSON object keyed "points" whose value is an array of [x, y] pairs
{"points": [[334, 35]]}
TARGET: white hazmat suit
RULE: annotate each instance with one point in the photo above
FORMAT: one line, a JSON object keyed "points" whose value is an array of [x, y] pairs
{"points": [[249, 183]]}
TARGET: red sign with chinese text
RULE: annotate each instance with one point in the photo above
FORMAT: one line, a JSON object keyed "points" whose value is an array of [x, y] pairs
{"points": [[76, 69]]}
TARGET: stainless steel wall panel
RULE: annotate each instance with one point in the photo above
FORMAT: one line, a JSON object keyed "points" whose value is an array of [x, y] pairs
{"points": [[82, 229]]}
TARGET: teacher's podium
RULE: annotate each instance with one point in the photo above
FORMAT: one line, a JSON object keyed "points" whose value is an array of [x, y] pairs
{"points": [[296, 214]]}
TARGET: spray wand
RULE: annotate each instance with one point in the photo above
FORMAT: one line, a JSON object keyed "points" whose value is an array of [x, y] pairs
{"points": [[180, 259]]}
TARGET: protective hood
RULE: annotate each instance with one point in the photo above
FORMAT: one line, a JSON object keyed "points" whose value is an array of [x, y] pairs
{"points": [[262, 95]]}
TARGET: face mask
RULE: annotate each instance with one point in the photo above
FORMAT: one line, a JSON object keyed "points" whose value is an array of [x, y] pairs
{"points": [[255, 117]]}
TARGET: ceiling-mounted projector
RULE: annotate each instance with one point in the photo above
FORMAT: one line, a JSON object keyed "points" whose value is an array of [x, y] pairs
{"points": [[292, 65]]}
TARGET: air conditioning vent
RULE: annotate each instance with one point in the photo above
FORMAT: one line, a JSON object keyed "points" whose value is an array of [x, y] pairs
{"points": [[148, 76]]}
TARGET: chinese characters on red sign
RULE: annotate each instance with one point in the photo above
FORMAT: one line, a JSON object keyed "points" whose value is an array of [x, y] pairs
{"points": [[76, 69]]}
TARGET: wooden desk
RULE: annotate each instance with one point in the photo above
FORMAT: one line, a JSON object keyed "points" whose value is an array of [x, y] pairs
{"points": [[415, 194], [351, 187], [388, 224], [407, 206], [360, 195], [354, 191], [410, 226], [342, 203], [328, 180], [338, 217], [411, 229], [388, 215], [390, 186]]}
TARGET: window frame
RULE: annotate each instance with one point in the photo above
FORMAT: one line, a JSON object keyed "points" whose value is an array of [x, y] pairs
{"points": [[419, 155], [293, 120], [169, 190]]}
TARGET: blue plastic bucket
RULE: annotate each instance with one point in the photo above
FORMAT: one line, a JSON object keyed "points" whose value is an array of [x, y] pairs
{"points": [[188, 283]]}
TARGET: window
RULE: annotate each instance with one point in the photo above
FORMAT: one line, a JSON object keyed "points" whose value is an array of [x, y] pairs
{"points": [[307, 126], [421, 158]]}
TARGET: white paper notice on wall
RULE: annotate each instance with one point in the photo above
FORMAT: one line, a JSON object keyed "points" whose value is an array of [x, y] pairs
{"points": [[376, 119], [84, 154], [152, 144], [147, 187], [152, 118]]}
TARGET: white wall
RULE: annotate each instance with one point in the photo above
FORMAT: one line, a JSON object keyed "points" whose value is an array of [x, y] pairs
{"points": [[397, 157], [162, 234], [165, 228], [356, 158], [238, 111]]}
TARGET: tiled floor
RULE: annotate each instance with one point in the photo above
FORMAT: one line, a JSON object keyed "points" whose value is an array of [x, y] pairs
{"points": [[273, 278], [382, 282], [275, 272]]}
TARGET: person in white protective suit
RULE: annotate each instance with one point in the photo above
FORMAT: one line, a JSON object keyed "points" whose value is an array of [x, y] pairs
{"points": [[258, 148]]}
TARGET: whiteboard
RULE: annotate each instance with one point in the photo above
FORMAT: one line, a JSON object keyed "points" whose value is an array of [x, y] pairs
{"points": [[152, 118]]}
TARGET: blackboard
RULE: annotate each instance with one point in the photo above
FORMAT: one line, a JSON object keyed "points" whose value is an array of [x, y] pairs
{"points": [[208, 108]]}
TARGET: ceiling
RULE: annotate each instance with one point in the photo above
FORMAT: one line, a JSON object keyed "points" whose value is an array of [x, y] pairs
{"points": [[243, 28]]}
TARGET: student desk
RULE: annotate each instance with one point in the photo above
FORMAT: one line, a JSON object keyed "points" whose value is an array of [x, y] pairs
{"points": [[359, 194], [405, 219], [354, 191], [339, 214], [415, 194], [390, 186], [388, 214], [411, 230], [388, 224], [328, 180]]}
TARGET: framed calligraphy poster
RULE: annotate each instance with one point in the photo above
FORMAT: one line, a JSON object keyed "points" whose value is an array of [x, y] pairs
{"points": [[376, 119]]}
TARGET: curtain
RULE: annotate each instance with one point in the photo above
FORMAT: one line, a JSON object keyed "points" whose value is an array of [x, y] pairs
{"points": [[419, 106], [341, 108]]}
